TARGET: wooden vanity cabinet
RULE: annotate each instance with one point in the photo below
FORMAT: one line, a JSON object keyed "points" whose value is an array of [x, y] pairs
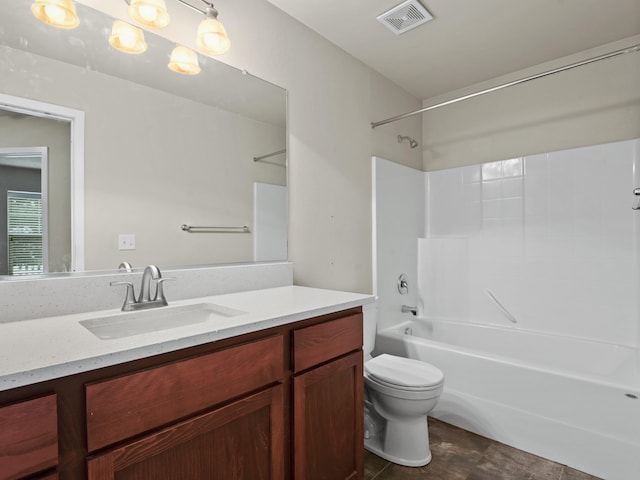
{"points": [[29, 438], [328, 389], [284, 403]]}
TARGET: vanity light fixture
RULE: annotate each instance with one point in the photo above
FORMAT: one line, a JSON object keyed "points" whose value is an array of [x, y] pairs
{"points": [[57, 13], [127, 38], [184, 60], [212, 37], [150, 13]]}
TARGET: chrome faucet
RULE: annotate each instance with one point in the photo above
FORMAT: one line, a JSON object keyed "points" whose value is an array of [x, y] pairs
{"points": [[126, 266], [150, 272], [144, 301], [407, 309]]}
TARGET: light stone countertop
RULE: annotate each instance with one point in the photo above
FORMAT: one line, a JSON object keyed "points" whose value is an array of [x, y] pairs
{"points": [[33, 351]]}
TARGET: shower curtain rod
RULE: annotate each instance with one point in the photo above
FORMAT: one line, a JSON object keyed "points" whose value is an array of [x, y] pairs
{"points": [[623, 51]]}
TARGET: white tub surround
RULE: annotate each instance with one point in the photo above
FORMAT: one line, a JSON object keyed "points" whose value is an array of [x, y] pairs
{"points": [[398, 220], [531, 267], [553, 237], [570, 400], [36, 350]]}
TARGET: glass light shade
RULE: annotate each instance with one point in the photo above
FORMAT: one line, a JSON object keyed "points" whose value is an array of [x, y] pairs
{"points": [[212, 37], [184, 60], [57, 13], [150, 13], [127, 38]]}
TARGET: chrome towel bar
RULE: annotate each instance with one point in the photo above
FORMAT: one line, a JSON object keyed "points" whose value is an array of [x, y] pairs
{"points": [[194, 229]]}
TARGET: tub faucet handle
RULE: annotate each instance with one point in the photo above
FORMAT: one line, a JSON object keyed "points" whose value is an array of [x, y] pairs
{"points": [[403, 284]]}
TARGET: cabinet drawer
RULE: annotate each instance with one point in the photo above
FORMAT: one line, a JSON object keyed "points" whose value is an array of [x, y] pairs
{"points": [[28, 437], [322, 342], [123, 407]]}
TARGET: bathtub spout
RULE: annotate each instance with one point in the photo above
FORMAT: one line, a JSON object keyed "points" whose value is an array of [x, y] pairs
{"points": [[407, 309]]}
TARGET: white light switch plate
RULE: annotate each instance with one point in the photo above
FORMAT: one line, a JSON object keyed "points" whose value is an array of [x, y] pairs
{"points": [[126, 241]]}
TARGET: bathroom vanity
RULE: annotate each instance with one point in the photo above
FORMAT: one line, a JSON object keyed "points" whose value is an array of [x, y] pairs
{"points": [[276, 395]]}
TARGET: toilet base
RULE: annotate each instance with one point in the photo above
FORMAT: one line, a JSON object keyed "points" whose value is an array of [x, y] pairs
{"points": [[375, 446], [402, 441]]}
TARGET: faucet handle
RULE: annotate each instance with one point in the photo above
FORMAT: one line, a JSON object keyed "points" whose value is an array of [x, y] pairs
{"points": [[130, 296], [403, 284], [159, 290]]}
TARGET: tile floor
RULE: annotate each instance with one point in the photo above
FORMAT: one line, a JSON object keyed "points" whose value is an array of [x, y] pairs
{"points": [[462, 455]]}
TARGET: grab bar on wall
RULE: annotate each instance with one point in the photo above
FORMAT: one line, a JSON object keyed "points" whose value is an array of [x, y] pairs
{"points": [[636, 192], [269, 155], [194, 229], [501, 307]]}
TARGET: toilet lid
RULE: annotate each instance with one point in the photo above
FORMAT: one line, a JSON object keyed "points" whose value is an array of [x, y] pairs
{"points": [[403, 372]]}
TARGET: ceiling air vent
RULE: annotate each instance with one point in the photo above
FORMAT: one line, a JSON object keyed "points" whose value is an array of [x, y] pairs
{"points": [[405, 16]]}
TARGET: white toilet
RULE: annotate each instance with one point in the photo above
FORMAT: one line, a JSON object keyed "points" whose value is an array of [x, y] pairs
{"points": [[399, 393]]}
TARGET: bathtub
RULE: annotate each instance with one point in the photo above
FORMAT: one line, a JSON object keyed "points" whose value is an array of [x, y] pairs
{"points": [[570, 400]]}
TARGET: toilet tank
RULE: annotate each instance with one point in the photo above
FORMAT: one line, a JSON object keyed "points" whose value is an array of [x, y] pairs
{"points": [[370, 314]]}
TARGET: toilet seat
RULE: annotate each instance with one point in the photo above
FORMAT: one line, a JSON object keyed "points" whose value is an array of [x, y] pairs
{"points": [[403, 373]]}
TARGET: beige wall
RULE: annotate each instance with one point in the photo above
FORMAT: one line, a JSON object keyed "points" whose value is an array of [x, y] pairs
{"points": [[333, 99], [593, 104]]}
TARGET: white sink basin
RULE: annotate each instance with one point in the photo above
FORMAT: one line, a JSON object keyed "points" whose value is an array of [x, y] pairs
{"points": [[127, 324]]}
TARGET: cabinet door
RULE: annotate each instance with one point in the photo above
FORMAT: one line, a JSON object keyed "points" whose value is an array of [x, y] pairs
{"points": [[328, 421], [28, 437], [241, 441]]}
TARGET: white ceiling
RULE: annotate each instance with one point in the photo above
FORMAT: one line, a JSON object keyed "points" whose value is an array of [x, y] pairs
{"points": [[469, 41]]}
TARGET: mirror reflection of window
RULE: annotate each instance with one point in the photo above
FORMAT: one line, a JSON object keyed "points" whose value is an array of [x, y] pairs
{"points": [[23, 220], [25, 255], [35, 157]]}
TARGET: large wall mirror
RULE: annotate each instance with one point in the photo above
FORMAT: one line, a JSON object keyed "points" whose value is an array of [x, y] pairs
{"points": [[155, 150]]}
